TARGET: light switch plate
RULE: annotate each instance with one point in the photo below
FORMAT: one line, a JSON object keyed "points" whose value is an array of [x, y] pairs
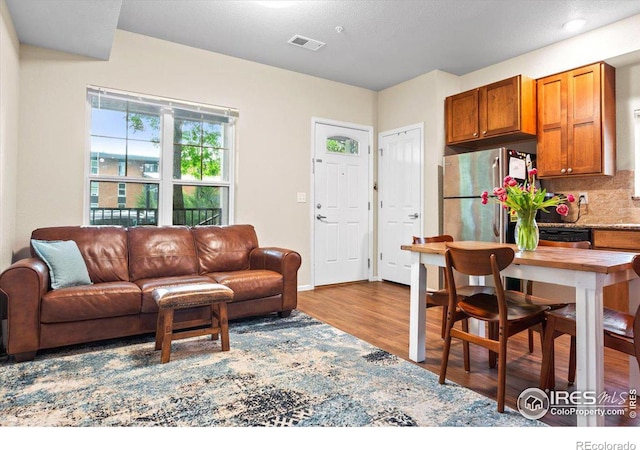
{"points": [[302, 197]]}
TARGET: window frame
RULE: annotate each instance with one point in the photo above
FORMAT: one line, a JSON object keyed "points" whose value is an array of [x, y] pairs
{"points": [[165, 183]]}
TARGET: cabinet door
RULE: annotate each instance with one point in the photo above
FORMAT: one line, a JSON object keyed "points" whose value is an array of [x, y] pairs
{"points": [[462, 116], [584, 146], [552, 125], [500, 107]]}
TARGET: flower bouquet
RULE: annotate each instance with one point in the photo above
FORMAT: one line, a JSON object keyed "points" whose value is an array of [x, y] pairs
{"points": [[523, 201]]}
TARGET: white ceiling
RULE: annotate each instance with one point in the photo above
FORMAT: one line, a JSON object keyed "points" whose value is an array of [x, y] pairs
{"points": [[383, 42]]}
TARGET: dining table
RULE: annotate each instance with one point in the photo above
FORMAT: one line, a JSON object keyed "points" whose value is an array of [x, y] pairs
{"points": [[587, 270]]}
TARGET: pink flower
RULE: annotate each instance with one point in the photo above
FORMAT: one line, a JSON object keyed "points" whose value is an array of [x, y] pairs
{"points": [[562, 209], [533, 172], [498, 192], [571, 198], [485, 197], [509, 181]]}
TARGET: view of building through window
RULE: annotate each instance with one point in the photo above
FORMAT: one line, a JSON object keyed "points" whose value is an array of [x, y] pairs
{"points": [[158, 161]]}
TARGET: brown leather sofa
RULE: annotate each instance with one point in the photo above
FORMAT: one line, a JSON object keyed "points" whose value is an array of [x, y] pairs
{"points": [[125, 266]]}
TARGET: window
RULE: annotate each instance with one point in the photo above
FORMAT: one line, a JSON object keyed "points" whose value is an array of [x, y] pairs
{"points": [[157, 161], [342, 144]]}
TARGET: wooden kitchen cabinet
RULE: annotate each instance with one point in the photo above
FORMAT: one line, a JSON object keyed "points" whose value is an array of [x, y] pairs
{"points": [[616, 296], [500, 112], [576, 122]]}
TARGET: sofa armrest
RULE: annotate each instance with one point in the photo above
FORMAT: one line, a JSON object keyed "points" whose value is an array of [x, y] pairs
{"points": [[284, 261], [281, 260], [24, 283]]}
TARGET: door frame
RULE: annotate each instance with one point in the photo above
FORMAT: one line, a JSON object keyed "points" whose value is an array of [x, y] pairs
{"points": [[369, 130], [381, 136]]}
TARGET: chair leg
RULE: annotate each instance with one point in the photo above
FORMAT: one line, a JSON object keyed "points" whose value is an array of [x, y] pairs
{"points": [[493, 335], [465, 347], [445, 310], [445, 350], [547, 371], [502, 369], [530, 331], [572, 361]]}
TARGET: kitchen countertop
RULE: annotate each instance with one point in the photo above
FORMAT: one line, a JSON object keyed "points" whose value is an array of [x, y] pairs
{"points": [[599, 226]]}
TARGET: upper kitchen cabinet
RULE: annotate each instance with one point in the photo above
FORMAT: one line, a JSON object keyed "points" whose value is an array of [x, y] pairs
{"points": [[498, 113], [577, 122]]}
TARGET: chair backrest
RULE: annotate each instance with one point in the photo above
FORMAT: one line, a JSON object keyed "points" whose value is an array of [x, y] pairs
{"points": [[578, 244], [478, 261], [432, 239]]}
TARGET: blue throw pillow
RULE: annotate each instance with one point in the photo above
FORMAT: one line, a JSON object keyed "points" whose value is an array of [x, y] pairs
{"points": [[65, 262]]}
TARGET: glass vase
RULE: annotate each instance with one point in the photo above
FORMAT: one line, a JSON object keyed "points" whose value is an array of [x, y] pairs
{"points": [[526, 231]]}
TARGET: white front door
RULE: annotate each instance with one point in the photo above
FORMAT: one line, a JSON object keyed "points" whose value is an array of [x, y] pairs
{"points": [[341, 204], [400, 200]]}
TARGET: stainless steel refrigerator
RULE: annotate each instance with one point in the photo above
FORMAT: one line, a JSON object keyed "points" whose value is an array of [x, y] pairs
{"points": [[465, 177]]}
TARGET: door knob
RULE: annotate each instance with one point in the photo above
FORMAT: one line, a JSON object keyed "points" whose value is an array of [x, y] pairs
{"points": [[320, 217], [414, 216]]}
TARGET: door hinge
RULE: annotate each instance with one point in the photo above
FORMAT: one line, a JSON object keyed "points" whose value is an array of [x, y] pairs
{"points": [[369, 149], [380, 203], [381, 151], [369, 206], [380, 256], [368, 263]]}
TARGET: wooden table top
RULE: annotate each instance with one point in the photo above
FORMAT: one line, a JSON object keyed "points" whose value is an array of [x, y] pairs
{"points": [[586, 260]]}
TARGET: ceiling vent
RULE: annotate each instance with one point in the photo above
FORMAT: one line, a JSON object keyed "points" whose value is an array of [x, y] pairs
{"points": [[305, 42]]}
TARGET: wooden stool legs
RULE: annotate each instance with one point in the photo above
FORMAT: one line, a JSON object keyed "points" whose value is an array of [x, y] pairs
{"points": [[219, 310], [165, 333]]}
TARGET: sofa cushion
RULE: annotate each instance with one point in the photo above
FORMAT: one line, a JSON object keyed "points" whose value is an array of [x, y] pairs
{"points": [[66, 265], [224, 248], [250, 284], [104, 249], [156, 252], [148, 285], [113, 299]]}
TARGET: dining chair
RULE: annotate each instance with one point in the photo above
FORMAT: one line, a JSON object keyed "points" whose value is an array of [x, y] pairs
{"points": [[621, 331], [440, 297], [553, 304], [503, 316]]}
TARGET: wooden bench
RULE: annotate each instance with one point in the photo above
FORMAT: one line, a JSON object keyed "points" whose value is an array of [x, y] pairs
{"points": [[172, 298]]}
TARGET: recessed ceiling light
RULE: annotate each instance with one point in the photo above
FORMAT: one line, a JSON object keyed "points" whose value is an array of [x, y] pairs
{"points": [[574, 25], [276, 4]]}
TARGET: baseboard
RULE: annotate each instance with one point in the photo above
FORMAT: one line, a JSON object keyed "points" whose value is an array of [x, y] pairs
{"points": [[306, 287]]}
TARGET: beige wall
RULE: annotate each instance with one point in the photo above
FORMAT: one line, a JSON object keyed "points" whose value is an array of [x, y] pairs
{"points": [[9, 92], [274, 130]]}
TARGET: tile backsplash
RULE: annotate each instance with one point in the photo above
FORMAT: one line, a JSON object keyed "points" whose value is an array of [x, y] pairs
{"points": [[610, 198]]}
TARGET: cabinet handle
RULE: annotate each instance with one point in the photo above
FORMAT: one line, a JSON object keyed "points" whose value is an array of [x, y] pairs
{"points": [[569, 170], [475, 134], [563, 170], [484, 132]]}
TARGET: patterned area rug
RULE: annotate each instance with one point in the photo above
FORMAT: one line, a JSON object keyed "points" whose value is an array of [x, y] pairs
{"points": [[279, 373]]}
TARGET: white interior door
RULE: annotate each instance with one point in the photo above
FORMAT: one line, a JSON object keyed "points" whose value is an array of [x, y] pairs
{"points": [[341, 204], [400, 200]]}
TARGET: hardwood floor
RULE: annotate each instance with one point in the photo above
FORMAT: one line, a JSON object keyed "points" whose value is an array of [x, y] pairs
{"points": [[378, 312]]}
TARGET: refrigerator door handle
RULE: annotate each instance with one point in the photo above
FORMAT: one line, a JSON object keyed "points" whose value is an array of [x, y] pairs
{"points": [[496, 210]]}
